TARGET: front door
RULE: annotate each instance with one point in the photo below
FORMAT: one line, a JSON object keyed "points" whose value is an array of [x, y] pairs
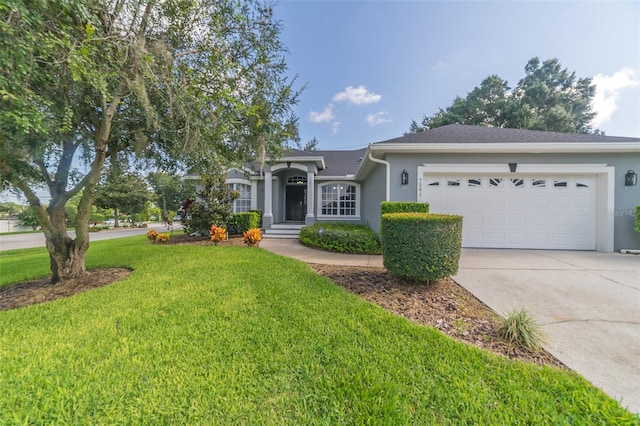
{"points": [[296, 205]]}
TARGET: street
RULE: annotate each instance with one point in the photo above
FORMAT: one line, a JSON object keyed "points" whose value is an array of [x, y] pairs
{"points": [[36, 239]]}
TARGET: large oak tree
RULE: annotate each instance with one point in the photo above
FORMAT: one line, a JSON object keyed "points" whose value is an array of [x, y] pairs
{"points": [[177, 82], [547, 98]]}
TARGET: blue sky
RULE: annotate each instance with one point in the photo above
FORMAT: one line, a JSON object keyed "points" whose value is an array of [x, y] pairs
{"points": [[372, 66]]}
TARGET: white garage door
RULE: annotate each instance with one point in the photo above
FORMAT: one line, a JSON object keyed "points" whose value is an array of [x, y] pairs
{"points": [[514, 211]]}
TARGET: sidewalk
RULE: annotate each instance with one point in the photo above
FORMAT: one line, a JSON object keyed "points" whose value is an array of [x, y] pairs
{"points": [[292, 248]]}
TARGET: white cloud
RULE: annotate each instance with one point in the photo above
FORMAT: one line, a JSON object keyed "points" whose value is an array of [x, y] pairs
{"points": [[335, 127], [378, 118], [438, 65], [357, 95], [321, 117], [608, 88]]}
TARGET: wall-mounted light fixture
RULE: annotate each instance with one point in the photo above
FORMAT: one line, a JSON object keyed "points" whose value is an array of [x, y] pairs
{"points": [[631, 178], [404, 177], [513, 167]]}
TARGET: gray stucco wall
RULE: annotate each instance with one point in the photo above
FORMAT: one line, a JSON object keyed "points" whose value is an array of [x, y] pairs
{"points": [[626, 198], [373, 193]]}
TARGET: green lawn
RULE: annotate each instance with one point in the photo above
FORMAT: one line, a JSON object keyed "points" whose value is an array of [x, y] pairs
{"points": [[237, 335]]}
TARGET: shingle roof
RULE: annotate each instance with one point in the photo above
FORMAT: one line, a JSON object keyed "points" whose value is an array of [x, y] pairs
{"points": [[459, 133], [341, 163]]}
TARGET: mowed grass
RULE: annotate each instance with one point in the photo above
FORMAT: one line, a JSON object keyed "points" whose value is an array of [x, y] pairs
{"points": [[237, 335]]}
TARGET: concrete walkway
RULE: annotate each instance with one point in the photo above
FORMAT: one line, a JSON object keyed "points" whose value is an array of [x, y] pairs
{"points": [[587, 302]]}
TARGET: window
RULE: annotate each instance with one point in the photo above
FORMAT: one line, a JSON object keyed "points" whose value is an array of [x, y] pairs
{"points": [[453, 182], [538, 183], [297, 180], [495, 183], [243, 202], [560, 183], [517, 182], [339, 199], [474, 182]]}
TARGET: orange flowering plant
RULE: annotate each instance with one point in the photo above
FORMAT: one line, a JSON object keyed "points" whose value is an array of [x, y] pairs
{"points": [[252, 236], [217, 234], [152, 234], [162, 238]]}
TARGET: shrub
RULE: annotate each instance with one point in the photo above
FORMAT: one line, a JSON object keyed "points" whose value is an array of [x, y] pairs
{"points": [[521, 328], [152, 234], [341, 238], [162, 238], [246, 220], [403, 207], [252, 236], [259, 213], [637, 218], [214, 205], [217, 234], [421, 246]]}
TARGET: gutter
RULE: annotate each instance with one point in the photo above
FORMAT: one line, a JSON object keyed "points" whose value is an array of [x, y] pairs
{"points": [[386, 163], [509, 148]]}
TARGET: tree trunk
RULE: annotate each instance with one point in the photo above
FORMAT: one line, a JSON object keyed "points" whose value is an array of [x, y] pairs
{"points": [[66, 255], [67, 258]]}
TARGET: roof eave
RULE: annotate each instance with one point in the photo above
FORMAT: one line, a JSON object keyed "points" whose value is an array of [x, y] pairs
{"points": [[519, 147], [318, 160]]}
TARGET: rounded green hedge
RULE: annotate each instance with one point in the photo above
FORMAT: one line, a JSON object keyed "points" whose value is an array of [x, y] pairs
{"points": [[403, 207], [341, 238], [421, 246]]}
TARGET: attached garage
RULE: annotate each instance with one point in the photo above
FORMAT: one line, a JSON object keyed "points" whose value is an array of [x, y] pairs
{"points": [[536, 207]]}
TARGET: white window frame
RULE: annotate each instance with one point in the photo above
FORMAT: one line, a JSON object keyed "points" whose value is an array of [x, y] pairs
{"points": [[232, 185], [338, 217]]}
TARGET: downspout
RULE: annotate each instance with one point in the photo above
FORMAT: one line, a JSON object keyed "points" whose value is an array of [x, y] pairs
{"points": [[386, 163]]}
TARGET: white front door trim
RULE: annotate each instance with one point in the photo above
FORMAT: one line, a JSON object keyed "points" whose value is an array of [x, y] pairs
{"points": [[605, 197]]}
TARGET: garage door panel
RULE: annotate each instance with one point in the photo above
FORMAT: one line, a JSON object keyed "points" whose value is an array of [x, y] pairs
{"points": [[559, 222], [516, 202], [474, 219], [495, 239], [507, 211]]}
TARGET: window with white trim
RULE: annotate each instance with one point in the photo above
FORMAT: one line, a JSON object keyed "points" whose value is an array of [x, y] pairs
{"points": [[243, 202], [339, 199]]}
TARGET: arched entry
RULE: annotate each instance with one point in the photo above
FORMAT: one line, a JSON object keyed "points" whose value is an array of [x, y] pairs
{"points": [[296, 198]]}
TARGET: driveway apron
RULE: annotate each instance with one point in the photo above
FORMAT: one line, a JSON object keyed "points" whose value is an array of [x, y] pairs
{"points": [[587, 302]]}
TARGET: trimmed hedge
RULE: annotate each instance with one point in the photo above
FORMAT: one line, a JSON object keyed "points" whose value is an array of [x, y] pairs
{"points": [[341, 238], [259, 213], [637, 218], [403, 207], [245, 221], [421, 246]]}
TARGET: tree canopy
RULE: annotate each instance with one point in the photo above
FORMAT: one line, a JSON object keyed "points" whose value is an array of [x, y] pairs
{"points": [[179, 83], [547, 98]]}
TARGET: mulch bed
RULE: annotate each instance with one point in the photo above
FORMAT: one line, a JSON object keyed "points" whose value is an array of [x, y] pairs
{"points": [[444, 305], [41, 290]]}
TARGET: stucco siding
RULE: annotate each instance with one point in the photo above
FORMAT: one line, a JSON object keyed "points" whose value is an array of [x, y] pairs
{"points": [[373, 193]]}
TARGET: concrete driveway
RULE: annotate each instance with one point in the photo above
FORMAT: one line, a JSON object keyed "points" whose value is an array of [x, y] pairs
{"points": [[588, 303]]}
